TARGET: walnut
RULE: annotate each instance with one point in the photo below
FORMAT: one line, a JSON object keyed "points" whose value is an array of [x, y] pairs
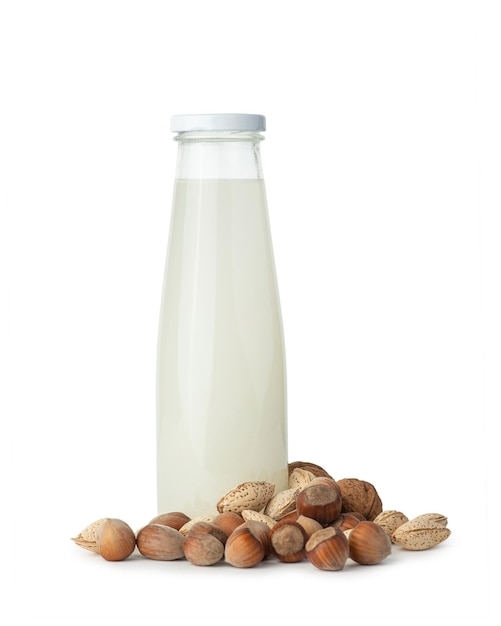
{"points": [[310, 467], [360, 496]]}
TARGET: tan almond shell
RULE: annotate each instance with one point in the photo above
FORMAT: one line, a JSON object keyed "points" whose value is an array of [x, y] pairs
{"points": [[434, 518], [299, 478], [389, 521], [282, 503], [256, 516], [419, 535], [87, 538], [253, 495]]}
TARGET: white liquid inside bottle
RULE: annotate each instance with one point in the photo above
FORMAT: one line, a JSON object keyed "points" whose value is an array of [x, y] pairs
{"points": [[221, 382]]}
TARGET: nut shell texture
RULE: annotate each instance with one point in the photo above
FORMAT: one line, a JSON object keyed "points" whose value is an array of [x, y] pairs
{"points": [[315, 469], [202, 548], [420, 535], [252, 495], [288, 541], [328, 549], [389, 521], [115, 540], [161, 543], [87, 538], [360, 496], [320, 502], [368, 543], [243, 549], [174, 519]]}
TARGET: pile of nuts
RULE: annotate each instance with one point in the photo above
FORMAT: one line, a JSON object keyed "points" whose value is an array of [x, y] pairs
{"points": [[316, 518]]}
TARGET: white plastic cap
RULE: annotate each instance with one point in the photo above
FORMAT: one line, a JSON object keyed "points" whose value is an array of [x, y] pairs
{"points": [[218, 121]]}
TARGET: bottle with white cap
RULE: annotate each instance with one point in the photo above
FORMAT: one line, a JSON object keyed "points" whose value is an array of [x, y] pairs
{"points": [[221, 379]]}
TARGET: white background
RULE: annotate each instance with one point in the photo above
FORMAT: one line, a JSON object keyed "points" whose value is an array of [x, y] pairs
{"points": [[382, 163]]}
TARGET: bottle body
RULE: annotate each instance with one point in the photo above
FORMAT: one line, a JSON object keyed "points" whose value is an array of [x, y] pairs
{"points": [[221, 378]]}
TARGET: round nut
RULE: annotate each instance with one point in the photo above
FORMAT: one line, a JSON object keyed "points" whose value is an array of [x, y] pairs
{"points": [[361, 496], [320, 502], [345, 521], [203, 548], [115, 540], [161, 543], [228, 521], [328, 549], [368, 543], [209, 528], [288, 541], [262, 531], [326, 480], [243, 548]]}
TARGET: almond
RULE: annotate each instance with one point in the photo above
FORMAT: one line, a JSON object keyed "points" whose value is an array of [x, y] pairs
{"points": [[389, 521], [282, 503], [256, 516], [253, 495], [299, 478], [87, 539], [419, 535]]}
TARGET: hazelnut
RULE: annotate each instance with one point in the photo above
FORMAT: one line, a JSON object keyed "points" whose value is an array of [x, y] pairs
{"points": [[209, 528], [228, 521], [203, 548], [262, 531], [326, 480], [310, 525], [345, 521], [327, 549], [361, 496], [173, 519], [320, 502], [161, 543], [243, 548], [115, 540], [368, 543], [288, 541]]}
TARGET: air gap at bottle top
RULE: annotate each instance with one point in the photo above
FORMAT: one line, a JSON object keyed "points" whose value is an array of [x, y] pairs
{"points": [[221, 378]]}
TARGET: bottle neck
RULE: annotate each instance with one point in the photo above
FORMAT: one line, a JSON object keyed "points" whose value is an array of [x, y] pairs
{"points": [[219, 155]]}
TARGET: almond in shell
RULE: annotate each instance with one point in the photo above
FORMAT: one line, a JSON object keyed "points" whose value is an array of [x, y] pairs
{"points": [[253, 495], [282, 503], [419, 535]]}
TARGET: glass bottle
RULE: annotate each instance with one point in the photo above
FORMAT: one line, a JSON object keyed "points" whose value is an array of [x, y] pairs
{"points": [[221, 379]]}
